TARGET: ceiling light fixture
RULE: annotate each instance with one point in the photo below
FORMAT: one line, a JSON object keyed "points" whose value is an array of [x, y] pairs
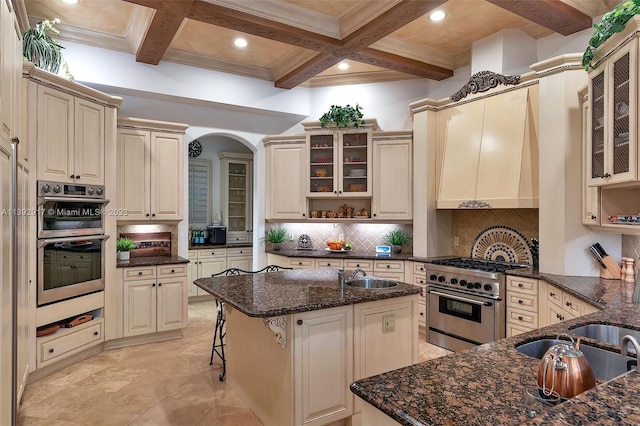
{"points": [[437, 16], [240, 42], [343, 66], [70, 1]]}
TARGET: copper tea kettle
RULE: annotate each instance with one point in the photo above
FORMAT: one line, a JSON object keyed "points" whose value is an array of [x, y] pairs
{"points": [[564, 371]]}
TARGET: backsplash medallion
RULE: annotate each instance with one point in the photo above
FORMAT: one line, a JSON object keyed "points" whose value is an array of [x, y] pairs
{"points": [[468, 224], [362, 236]]}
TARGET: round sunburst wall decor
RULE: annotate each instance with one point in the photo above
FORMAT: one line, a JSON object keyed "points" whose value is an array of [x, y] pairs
{"points": [[502, 244]]}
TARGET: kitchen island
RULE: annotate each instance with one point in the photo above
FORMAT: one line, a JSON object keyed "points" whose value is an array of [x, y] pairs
{"points": [[486, 385], [295, 340]]}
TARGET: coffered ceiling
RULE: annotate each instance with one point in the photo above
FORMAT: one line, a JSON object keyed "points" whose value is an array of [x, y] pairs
{"points": [[301, 42]]}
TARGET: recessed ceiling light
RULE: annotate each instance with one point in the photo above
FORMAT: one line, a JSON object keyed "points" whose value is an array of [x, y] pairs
{"points": [[343, 66], [240, 42], [70, 1], [438, 15]]}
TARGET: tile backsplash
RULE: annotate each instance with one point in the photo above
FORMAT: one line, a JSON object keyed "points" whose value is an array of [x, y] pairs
{"points": [[362, 236], [631, 248], [147, 228], [468, 224]]}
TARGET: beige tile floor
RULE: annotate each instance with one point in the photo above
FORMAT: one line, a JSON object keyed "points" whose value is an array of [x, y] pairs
{"points": [[167, 383]]}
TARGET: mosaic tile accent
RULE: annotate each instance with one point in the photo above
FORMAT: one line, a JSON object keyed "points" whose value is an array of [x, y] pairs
{"points": [[155, 227], [468, 224], [362, 236]]}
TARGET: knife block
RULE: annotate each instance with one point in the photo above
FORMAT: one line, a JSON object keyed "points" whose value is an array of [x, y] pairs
{"points": [[611, 270]]}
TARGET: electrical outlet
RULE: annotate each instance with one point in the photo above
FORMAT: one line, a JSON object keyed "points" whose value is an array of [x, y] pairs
{"points": [[456, 241], [341, 237], [290, 236], [388, 323]]}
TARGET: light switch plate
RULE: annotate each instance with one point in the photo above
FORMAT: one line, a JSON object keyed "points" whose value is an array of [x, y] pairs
{"points": [[388, 323]]}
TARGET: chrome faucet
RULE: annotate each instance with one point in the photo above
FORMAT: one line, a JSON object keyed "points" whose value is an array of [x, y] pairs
{"points": [[624, 346], [354, 273], [341, 278]]}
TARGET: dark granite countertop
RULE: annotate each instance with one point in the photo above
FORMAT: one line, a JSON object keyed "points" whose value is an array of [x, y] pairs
{"points": [[352, 254], [218, 246], [486, 385], [298, 290], [151, 261]]}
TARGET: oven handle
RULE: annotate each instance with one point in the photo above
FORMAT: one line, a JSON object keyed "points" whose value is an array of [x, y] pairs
{"points": [[42, 200], [462, 299], [42, 243]]}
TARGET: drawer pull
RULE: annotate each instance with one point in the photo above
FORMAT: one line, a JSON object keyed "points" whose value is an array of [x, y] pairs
{"points": [[95, 333], [357, 265], [520, 301], [421, 281], [213, 253], [299, 322], [421, 314], [51, 350], [140, 273], [520, 318], [388, 266], [552, 294], [173, 270], [520, 285], [568, 303]]}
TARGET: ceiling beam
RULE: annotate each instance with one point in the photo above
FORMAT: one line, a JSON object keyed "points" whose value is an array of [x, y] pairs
{"points": [[552, 14], [304, 72], [400, 64]]}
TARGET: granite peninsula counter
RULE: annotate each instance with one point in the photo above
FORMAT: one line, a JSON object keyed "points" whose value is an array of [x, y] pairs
{"points": [[295, 341], [486, 385]]}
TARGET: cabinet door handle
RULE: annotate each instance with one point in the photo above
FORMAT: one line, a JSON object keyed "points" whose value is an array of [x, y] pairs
{"points": [[568, 303], [95, 333], [552, 294], [173, 270], [72, 176], [303, 214], [153, 214], [51, 350], [159, 284], [520, 318], [593, 217], [299, 322], [147, 215], [139, 273], [375, 214], [421, 314], [607, 175], [153, 285], [520, 302], [520, 285]]}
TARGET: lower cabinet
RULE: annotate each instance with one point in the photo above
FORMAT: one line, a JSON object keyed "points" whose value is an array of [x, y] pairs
{"points": [[206, 262], [323, 365], [557, 305], [241, 257], [155, 299], [391, 269], [67, 342], [522, 305], [420, 279]]}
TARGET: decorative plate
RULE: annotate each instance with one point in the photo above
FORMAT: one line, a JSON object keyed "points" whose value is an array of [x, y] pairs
{"points": [[502, 244], [304, 242], [195, 149]]}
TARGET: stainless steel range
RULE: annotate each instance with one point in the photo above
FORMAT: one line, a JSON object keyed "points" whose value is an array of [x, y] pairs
{"points": [[465, 301]]}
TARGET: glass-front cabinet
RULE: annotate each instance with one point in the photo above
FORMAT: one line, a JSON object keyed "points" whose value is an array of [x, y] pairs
{"points": [[339, 163], [236, 195], [613, 100]]}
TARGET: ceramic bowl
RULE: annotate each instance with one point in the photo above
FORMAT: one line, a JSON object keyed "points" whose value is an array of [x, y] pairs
{"points": [[321, 172]]}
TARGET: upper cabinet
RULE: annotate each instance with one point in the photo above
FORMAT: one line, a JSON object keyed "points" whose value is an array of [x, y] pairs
{"points": [[491, 152], [236, 194], [150, 170], [286, 165], [393, 176], [10, 77], [339, 162], [613, 118]]}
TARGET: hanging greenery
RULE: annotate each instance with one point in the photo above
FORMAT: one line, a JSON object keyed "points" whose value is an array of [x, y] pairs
{"points": [[346, 116], [612, 22], [38, 47]]}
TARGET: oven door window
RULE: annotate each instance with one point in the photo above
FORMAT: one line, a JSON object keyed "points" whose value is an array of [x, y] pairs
{"points": [[69, 263], [460, 309], [70, 216]]}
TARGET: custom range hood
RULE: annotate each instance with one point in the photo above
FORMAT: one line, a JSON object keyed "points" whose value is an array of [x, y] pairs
{"points": [[490, 151]]}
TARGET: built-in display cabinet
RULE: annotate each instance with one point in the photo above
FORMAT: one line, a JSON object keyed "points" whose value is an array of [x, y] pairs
{"points": [[236, 194], [352, 174]]}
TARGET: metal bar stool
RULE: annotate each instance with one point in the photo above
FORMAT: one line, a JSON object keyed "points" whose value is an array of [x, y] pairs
{"points": [[221, 319]]}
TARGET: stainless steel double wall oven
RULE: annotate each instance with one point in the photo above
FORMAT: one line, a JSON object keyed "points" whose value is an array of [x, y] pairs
{"points": [[70, 240]]}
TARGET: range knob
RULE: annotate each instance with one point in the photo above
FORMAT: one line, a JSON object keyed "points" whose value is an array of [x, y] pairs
{"points": [[433, 277], [441, 279], [477, 285], [487, 287], [463, 283], [454, 281], [46, 188], [99, 191], [90, 191], [56, 188]]}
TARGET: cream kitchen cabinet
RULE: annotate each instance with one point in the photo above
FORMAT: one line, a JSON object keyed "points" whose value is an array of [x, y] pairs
{"points": [[323, 365], [557, 305], [204, 263], [392, 197], [613, 117], [339, 161], [391, 269], [285, 159], [329, 263], [150, 170], [415, 273], [362, 264], [240, 257], [70, 138], [590, 194], [522, 305], [154, 299], [236, 195], [10, 78]]}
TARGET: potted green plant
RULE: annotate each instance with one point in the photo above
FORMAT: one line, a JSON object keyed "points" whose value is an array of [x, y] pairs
{"points": [[611, 23], [38, 46], [124, 246], [396, 238], [276, 236], [342, 116]]}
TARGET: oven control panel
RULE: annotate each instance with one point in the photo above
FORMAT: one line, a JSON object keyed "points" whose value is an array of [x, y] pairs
{"points": [[489, 286], [61, 189]]}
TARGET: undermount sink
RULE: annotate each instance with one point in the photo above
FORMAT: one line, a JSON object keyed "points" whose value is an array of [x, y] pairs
{"points": [[606, 365], [372, 283], [606, 333]]}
